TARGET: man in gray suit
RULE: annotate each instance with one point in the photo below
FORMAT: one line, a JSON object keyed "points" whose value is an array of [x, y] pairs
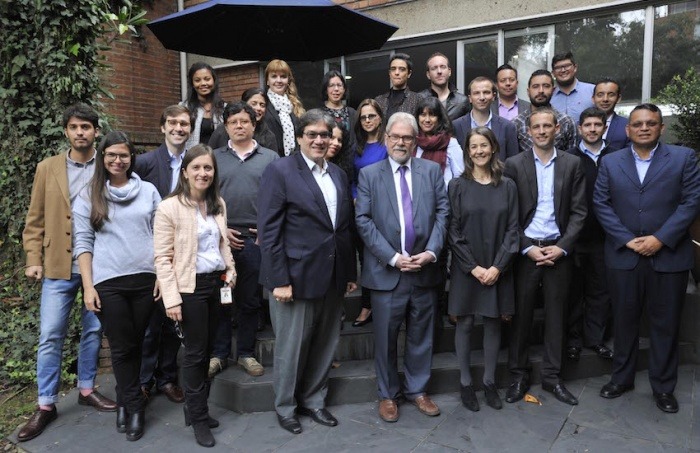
{"points": [[401, 215]]}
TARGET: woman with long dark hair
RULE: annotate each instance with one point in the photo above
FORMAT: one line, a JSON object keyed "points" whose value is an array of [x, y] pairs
{"points": [[483, 237], [333, 92], [285, 105], [204, 101], [193, 261], [114, 247]]}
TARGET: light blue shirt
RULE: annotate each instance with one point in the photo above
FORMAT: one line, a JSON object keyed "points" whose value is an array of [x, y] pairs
{"points": [[589, 153], [642, 164], [175, 165], [578, 100], [543, 225], [488, 122]]}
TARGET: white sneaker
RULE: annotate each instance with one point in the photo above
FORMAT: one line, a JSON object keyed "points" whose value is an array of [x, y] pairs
{"points": [[215, 366], [251, 366]]}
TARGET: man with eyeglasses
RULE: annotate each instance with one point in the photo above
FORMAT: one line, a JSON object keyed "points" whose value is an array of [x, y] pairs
{"points": [[308, 264], [161, 168], [571, 96], [241, 164], [439, 72], [399, 98], [646, 197], [48, 243], [401, 216]]}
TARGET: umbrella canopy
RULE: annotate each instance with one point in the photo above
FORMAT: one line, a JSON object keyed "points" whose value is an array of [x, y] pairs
{"points": [[296, 30]]}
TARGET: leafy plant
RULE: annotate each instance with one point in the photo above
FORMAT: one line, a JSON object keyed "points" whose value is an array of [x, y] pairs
{"points": [[683, 94]]}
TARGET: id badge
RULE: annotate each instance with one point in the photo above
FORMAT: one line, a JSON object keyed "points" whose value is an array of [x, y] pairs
{"points": [[226, 295]]}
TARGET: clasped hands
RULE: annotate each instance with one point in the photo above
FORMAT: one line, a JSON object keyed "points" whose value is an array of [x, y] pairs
{"points": [[486, 277], [413, 263], [645, 245], [545, 256]]}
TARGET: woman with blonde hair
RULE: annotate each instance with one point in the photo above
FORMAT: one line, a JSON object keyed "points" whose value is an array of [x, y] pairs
{"points": [[285, 106]]}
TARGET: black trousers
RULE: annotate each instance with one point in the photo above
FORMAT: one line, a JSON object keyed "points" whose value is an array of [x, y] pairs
{"points": [[160, 348], [555, 290], [200, 312], [127, 304], [663, 293]]}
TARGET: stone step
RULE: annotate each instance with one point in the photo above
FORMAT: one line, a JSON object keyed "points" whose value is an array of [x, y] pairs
{"points": [[355, 382]]}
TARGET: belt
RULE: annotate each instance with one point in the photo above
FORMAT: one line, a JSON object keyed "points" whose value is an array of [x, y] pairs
{"points": [[543, 242]]}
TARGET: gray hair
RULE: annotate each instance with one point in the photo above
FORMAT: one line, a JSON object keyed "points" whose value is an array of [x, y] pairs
{"points": [[402, 117], [314, 116]]}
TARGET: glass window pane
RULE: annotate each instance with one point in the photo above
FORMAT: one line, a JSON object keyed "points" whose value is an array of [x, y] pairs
{"points": [[307, 77], [480, 59], [527, 51], [420, 54], [366, 77]]}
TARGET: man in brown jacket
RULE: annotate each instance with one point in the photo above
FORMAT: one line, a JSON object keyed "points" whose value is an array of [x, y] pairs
{"points": [[48, 244]]}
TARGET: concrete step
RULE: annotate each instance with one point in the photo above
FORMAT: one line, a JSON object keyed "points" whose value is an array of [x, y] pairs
{"points": [[355, 381]]}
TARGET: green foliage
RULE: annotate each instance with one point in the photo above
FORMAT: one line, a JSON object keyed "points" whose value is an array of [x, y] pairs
{"points": [[683, 94], [51, 55]]}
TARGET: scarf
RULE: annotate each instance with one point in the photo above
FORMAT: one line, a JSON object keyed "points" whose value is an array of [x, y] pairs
{"points": [[434, 147], [284, 107]]}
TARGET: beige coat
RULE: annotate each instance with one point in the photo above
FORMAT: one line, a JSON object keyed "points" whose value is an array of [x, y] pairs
{"points": [[175, 242]]}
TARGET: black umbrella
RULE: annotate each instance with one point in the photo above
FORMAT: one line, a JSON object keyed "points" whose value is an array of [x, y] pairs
{"points": [[296, 30]]}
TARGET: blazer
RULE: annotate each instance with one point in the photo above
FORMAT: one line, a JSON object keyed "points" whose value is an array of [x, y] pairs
{"points": [[664, 206], [274, 124], [48, 231], [616, 137], [377, 218], [409, 104], [175, 244], [505, 131], [154, 167], [298, 243], [569, 195]]}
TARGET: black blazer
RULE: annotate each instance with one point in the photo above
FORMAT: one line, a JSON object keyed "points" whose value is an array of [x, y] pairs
{"points": [[274, 124], [569, 195], [154, 167]]}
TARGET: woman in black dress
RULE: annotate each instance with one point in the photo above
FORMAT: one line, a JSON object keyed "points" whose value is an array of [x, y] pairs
{"points": [[483, 237]]}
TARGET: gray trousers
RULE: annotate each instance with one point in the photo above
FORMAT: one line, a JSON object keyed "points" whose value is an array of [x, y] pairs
{"points": [[306, 337]]}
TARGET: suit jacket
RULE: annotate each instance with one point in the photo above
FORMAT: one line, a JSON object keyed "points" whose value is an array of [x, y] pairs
{"points": [[274, 124], [154, 167], [616, 137], [409, 104], [664, 206], [48, 231], [505, 131], [569, 195], [377, 218], [298, 243]]}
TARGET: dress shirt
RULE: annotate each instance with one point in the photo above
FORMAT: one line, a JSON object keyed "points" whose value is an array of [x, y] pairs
{"points": [[607, 125], [175, 165], [209, 257], [245, 155], [509, 113], [543, 224], [595, 156], [578, 100], [642, 164], [326, 184], [488, 122]]}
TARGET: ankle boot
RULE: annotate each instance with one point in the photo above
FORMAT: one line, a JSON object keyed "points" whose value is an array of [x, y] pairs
{"points": [[135, 426], [203, 435], [212, 422], [122, 417]]}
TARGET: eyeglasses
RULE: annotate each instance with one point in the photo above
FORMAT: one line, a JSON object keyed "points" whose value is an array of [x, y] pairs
{"points": [[237, 122], [370, 117], [173, 123], [111, 157], [312, 135], [564, 67], [408, 139]]}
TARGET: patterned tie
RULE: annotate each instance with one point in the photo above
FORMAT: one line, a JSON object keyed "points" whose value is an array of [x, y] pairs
{"points": [[407, 206]]}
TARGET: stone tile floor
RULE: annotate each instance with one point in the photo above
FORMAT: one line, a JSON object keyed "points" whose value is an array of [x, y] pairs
{"points": [[630, 423]]}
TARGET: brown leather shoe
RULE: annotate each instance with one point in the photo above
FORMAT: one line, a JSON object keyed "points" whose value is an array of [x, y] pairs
{"points": [[426, 406], [173, 392], [98, 401], [36, 424], [388, 410]]}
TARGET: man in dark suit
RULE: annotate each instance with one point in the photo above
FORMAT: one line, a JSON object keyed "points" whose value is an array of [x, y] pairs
{"points": [[552, 211], [508, 106], [401, 215], [482, 92], [646, 196], [162, 169], [606, 95], [308, 263]]}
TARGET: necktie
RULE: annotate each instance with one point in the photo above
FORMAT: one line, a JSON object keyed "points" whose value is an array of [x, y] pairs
{"points": [[407, 206]]}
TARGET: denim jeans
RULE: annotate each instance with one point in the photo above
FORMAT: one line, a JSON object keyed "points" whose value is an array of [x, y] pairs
{"points": [[57, 300]]}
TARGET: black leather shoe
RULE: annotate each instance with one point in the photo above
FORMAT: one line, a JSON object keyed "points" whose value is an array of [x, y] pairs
{"points": [[466, 392], [212, 422], [135, 425], [290, 423], [367, 320], [37, 423], [603, 351], [203, 435], [573, 353], [122, 417], [321, 416], [560, 392], [517, 390], [612, 390], [666, 402], [492, 397]]}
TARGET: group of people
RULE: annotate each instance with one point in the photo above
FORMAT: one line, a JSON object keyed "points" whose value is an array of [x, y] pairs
{"points": [[556, 198]]}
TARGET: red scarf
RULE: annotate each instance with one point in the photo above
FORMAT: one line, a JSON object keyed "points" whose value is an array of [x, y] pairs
{"points": [[434, 147]]}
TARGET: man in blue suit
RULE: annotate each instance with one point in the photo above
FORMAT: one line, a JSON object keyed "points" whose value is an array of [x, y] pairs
{"points": [[401, 215], [308, 263], [482, 92], [606, 95], [646, 196]]}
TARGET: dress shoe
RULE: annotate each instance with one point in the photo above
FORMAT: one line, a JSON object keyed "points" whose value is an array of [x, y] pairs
{"points": [[211, 422], [573, 353], [290, 423], [321, 416], [560, 392], [98, 401], [612, 390], [517, 390], [388, 410], [492, 398], [466, 392], [426, 406], [666, 402], [122, 417], [603, 351], [173, 392], [203, 435], [358, 323], [39, 420], [135, 425]]}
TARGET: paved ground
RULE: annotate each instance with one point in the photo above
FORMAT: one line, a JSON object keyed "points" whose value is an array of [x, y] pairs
{"points": [[630, 423]]}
